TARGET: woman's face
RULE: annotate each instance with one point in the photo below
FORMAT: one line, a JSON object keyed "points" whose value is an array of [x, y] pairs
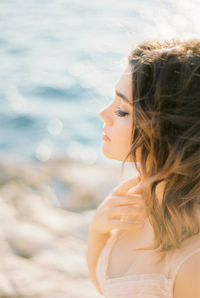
{"points": [[117, 117]]}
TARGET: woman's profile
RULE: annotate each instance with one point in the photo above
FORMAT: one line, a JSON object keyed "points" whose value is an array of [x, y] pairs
{"points": [[144, 237]]}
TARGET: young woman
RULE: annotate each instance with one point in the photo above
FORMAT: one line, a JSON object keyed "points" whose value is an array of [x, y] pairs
{"points": [[144, 238]]}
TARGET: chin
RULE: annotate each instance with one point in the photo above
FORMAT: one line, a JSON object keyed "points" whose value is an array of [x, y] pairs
{"points": [[114, 156], [110, 155]]}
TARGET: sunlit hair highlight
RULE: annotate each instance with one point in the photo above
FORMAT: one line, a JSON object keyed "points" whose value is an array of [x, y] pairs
{"points": [[166, 129]]}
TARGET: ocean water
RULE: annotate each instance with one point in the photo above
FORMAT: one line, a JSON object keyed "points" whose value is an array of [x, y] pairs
{"points": [[59, 61]]}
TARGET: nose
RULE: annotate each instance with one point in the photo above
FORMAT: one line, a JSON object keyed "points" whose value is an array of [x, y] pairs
{"points": [[105, 115]]}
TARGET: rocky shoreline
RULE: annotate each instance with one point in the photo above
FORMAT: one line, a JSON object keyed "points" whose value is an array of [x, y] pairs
{"points": [[45, 213]]}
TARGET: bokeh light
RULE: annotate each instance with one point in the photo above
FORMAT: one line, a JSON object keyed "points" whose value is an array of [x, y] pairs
{"points": [[44, 151], [55, 127]]}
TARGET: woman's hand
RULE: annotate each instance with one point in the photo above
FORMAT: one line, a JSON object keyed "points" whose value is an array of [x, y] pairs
{"points": [[123, 209]]}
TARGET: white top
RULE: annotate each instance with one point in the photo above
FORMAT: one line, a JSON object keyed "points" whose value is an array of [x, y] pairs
{"points": [[157, 283]]}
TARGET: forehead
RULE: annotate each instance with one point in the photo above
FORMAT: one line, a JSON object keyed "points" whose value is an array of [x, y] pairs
{"points": [[124, 83]]}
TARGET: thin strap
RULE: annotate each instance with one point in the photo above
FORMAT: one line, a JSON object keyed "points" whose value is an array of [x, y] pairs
{"points": [[166, 264], [183, 261]]}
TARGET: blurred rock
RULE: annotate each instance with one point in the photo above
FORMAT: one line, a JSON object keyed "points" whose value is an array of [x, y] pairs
{"points": [[27, 239], [6, 287], [45, 214]]}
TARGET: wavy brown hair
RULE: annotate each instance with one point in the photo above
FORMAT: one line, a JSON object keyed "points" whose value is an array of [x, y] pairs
{"points": [[166, 128]]}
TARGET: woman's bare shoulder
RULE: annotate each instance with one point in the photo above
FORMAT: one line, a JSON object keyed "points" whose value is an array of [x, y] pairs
{"points": [[187, 282]]}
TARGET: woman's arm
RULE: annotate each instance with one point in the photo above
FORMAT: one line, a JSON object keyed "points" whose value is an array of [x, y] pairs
{"points": [[96, 243]]}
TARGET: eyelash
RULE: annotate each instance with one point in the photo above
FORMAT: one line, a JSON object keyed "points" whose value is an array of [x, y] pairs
{"points": [[120, 113]]}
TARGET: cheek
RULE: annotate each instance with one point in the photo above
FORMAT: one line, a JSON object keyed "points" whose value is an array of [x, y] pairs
{"points": [[122, 134], [120, 142], [124, 130]]}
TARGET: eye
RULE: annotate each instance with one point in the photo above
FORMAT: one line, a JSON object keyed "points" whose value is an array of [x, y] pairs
{"points": [[120, 113]]}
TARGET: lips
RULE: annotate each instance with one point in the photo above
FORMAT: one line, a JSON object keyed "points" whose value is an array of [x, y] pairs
{"points": [[104, 135], [105, 138]]}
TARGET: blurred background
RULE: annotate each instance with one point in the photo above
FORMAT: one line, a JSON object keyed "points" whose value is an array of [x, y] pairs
{"points": [[59, 62]]}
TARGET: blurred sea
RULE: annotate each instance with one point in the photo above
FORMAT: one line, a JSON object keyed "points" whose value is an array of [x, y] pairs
{"points": [[59, 61]]}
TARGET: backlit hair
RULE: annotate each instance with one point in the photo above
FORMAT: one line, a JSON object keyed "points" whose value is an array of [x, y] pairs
{"points": [[166, 128]]}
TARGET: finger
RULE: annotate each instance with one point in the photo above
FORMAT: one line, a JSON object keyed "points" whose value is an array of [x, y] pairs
{"points": [[125, 200], [127, 210], [123, 225], [137, 189], [125, 186]]}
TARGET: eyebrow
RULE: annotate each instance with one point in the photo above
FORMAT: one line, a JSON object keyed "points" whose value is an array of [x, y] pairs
{"points": [[123, 97]]}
